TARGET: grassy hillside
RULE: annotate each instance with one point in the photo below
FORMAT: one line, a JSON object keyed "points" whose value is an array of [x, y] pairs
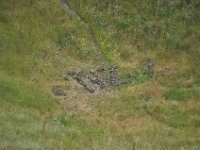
{"points": [[41, 41], [143, 25]]}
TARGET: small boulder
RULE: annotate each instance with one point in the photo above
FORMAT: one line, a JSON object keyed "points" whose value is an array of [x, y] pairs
{"points": [[58, 91]]}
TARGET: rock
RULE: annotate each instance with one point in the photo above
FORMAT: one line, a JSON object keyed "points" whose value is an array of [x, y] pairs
{"points": [[167, 73], [81, 82], [71, 73], [75, 73], [113, 75], [113, 67], [149, 66], [66, 78], [101, 76], [97, 81], [119, 83], [101, 69], [58, 91], [92, 71], [84, 50]]}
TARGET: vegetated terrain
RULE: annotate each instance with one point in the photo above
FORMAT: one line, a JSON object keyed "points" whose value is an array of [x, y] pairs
{"points": [[155, 46]]}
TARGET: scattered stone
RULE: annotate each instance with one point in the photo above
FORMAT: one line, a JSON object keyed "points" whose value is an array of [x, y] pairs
{"points": [[58, 91], [66, 78], [84, 50], [167, 73], [92, 71], [113, 75], [101, 76], [149, 66], [169, 70], [71, 73], [101, 69], [97, 81], [76, 76], [86, 86], [171, 67], [75, 73], [120, 83]]}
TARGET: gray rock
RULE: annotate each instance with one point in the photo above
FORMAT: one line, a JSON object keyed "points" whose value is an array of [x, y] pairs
{"points": [[101, 76], [86, 86], [58, 91]]}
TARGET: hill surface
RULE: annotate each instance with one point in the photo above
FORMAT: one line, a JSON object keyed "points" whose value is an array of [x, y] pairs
{"points": [[100, 74]]}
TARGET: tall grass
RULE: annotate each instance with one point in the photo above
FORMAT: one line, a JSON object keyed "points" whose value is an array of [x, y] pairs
{"points": [[144, 25], [17, 93], [40, 41]]}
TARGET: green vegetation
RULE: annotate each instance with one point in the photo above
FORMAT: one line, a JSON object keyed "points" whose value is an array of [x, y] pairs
{"points": [[180, 94], [16, 93], [155, 45]]}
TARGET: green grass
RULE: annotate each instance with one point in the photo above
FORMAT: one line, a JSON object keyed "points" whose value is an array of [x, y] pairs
{"points": [[17, 93], [181, 94], [159, 112], [143, 25]]}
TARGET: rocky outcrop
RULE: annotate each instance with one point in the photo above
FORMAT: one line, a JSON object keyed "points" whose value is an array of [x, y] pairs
{"points": [[101, 77]]}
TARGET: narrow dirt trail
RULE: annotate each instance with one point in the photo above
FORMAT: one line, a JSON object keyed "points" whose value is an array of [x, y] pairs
{"points": [[91, 37]]}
